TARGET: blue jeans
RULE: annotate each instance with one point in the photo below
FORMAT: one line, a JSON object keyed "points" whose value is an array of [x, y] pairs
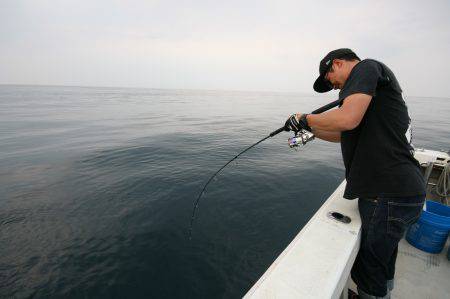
{"points": [[384, 222]]}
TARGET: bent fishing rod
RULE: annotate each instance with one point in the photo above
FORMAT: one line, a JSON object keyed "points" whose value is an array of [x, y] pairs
{"points": [[301, 138]]}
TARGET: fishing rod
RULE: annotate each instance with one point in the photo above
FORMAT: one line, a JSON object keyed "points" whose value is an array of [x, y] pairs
{"points": [[301, 138]]}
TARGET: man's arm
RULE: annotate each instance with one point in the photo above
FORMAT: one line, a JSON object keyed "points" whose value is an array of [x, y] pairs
{"points": [[347, 117], [327, 135]]}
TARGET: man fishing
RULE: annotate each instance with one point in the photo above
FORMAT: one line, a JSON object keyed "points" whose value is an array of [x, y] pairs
{"points": [[373, 126]]}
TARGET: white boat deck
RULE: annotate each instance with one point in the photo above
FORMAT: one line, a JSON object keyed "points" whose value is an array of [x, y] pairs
{"points": [[317, 263], [420, 274]]}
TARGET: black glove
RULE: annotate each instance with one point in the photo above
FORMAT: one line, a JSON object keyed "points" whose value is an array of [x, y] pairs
{"points": [[293, 125]]}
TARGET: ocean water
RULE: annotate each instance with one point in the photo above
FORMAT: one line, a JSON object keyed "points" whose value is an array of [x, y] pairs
{"points": [[97, 187]]}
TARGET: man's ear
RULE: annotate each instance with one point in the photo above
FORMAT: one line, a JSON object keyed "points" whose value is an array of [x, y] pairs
{"points": [[338, 62]]}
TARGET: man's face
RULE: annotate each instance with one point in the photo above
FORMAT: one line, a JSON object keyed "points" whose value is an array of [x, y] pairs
{"points": [[336, 74]]}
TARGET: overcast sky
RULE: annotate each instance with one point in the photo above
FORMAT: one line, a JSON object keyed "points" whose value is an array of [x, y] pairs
{"points": [[239, 45]]}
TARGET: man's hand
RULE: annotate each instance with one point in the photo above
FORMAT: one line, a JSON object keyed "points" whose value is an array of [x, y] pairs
{"points": [[297, 122]]}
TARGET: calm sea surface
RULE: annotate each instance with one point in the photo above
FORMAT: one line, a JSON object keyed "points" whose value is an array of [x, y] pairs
{"points": [[97, 187]]}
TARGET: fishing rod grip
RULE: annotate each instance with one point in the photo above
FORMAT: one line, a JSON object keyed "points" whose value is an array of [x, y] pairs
{"points": [[276, 132], [317, 111], [326, 107]]}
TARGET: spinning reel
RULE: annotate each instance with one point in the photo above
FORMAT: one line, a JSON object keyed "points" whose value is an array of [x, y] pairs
{"points": [[301, 138]]}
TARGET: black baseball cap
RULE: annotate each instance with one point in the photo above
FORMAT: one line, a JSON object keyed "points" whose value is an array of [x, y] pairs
{"points": [[322, 85]]}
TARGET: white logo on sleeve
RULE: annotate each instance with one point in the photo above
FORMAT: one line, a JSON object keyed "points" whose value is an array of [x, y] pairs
{"points": [[408, 134]]}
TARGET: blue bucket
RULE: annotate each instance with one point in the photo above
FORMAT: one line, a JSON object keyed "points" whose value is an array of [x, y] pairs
{"points": [[430, 232]]}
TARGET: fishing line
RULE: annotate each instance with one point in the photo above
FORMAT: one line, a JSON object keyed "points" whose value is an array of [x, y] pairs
{"points": [[301, 138], [212, 177]]}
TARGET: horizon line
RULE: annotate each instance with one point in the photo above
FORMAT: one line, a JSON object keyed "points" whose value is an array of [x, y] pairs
{"points": [[196, 89]]}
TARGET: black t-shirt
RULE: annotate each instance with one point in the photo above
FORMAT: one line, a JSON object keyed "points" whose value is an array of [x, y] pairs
{"points": [[377, 154]]}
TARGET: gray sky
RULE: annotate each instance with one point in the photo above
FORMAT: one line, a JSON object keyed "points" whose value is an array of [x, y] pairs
{"points": [[240, 45]]}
